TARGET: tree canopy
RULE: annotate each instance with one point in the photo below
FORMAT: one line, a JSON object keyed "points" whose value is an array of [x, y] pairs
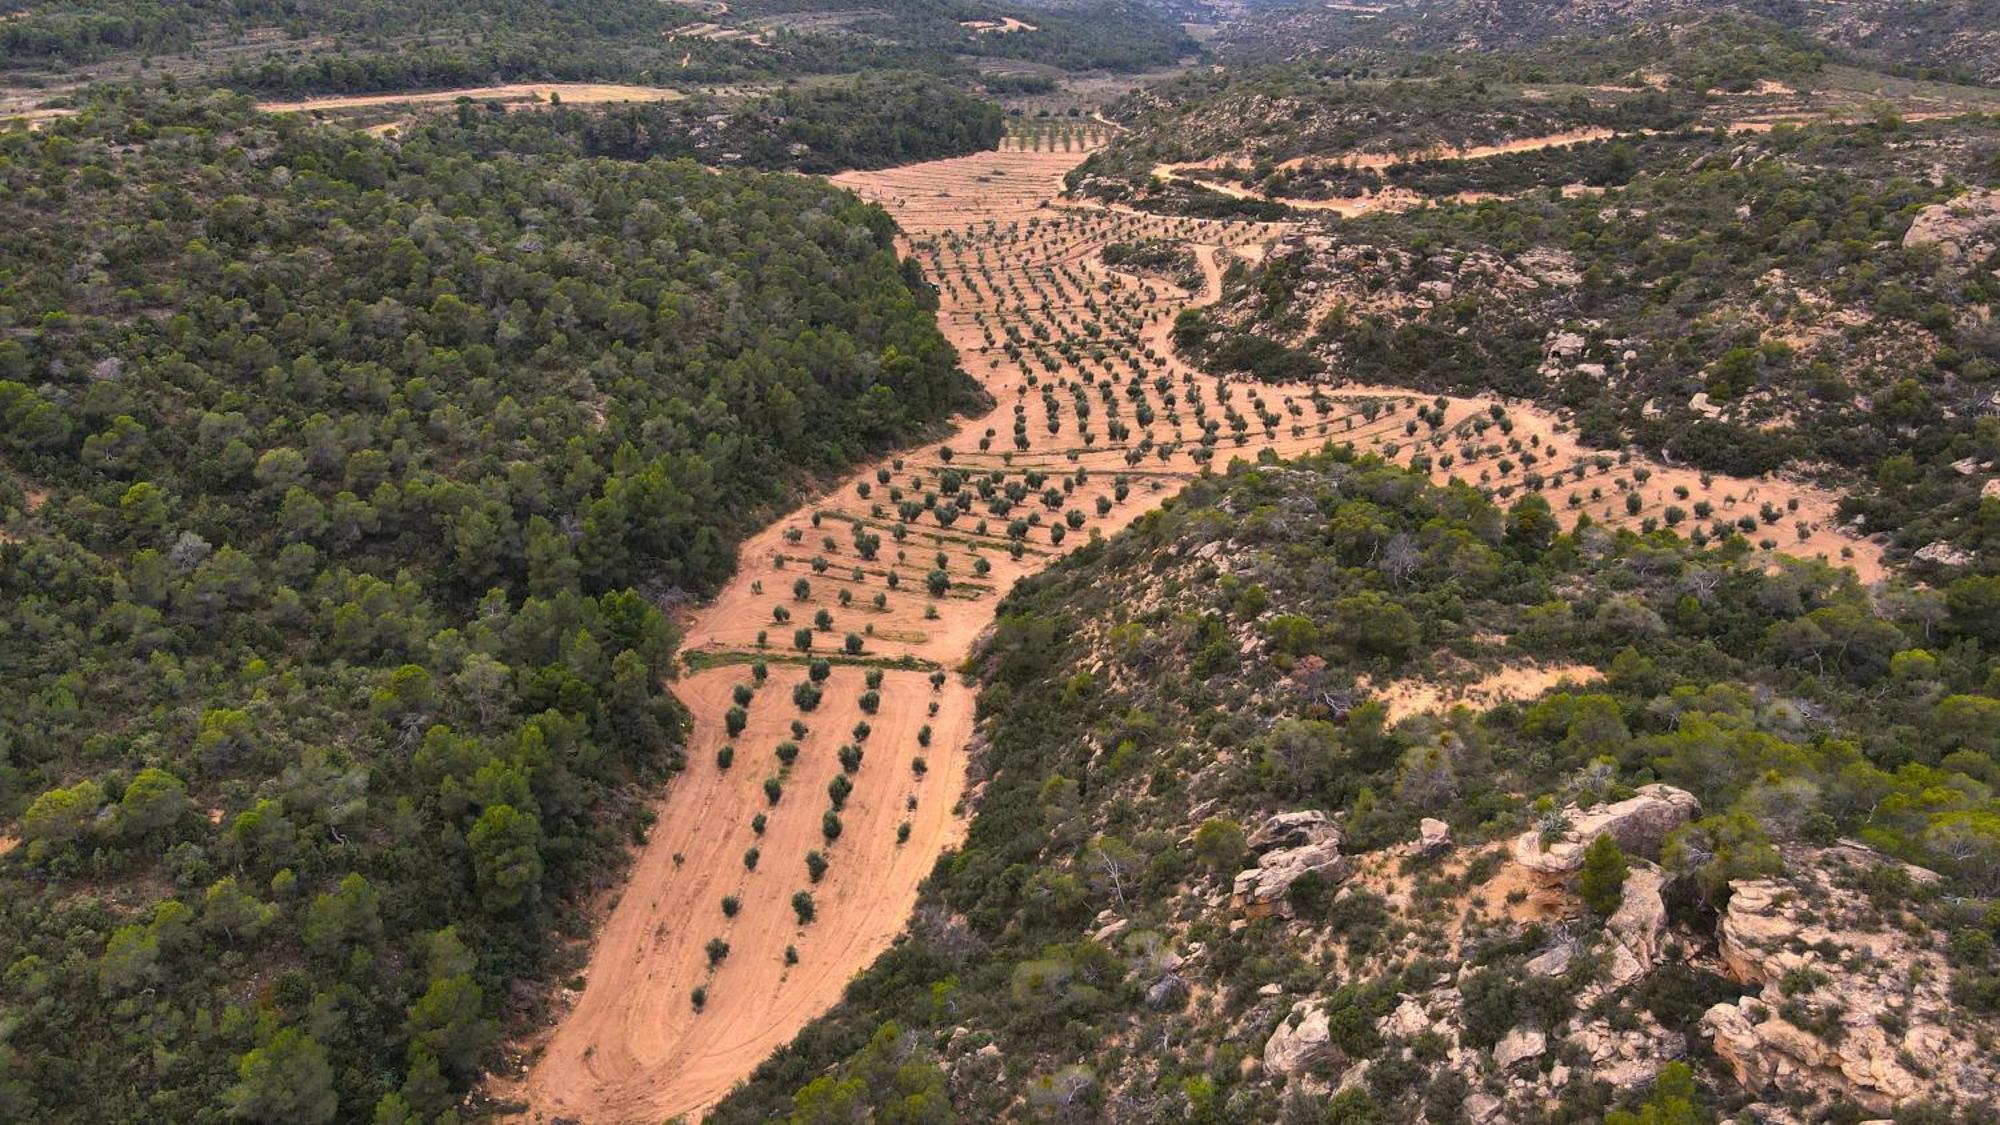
{"points": [[344, 488]]}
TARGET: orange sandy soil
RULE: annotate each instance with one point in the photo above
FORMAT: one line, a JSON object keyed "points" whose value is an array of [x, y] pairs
{"points": [[578, 93], [633, 1048], [1007, 257], [1404, 698]]}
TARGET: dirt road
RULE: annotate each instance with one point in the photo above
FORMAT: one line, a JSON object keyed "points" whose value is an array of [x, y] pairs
{"points": [[576, 93]]}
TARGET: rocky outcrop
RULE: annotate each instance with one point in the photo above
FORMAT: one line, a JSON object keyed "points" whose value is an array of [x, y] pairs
{"points": [[1944, 554], [1293, 845], [1640, 922], [1261, 890], [1168, 994], [1553, 961], [1301, 1042], [1766, 1051], [1408, 1021], [1519, 1045], [1640, 825], [1849, 1004], [1846, 1004], [1294, 830], [1963, 229], [1626, 1056], [1481, 1108], [1433, 835]]}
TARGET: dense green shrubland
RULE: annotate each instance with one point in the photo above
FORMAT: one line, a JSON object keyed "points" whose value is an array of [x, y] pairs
{"points": [[868, 122], [344, 487], [359, 48]]}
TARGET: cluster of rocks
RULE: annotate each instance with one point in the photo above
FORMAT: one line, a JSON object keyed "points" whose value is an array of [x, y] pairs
{"points": [[1881, 1025], [1288, 847], [1964, 230], [1371, 278], [1291, 844], [1510, 1075], [1640, 824], [1880, 1028]]}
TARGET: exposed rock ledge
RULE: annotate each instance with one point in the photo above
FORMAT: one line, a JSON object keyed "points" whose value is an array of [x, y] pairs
{"points": [[1963, 229], [1294, 845], [1879, 1024], [1640, 825]]}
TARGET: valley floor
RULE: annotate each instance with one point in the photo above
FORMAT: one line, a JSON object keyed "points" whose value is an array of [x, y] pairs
{"points": [[1014, 264]]}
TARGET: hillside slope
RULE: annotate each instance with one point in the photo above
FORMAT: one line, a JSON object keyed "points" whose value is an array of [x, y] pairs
{"points": [[1809, 300], [1209, 881]]}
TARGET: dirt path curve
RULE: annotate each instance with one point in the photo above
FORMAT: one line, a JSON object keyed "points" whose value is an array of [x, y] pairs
{"points": [[1095, 423]]}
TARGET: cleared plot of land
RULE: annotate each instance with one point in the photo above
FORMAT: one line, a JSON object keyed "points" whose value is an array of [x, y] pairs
{"points": [[581, 93], [719, 33], [634, 1048], [1006, 25], [1404, 698]]}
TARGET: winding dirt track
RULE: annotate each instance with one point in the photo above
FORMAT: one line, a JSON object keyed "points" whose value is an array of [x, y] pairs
{"points": [[1090, 361]]}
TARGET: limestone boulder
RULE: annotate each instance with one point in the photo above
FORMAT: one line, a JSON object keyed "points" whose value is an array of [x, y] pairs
{"points": [[1640, 922], [1963, 229], [1626, 1056], [1301, 1041], [1433, 835], [1944, 554], [1626, 968], [1639, 823], [1261, 890], [1553, 961], [1408, 1021], [1168, 994], [1294, 830], [1481, 1108], [1519, 1045]]}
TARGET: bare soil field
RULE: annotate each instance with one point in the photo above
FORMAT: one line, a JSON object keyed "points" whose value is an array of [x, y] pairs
{"points": [[633, 1048], [526, 93], [1514, 683], [1005, 25], [898, 570]]}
